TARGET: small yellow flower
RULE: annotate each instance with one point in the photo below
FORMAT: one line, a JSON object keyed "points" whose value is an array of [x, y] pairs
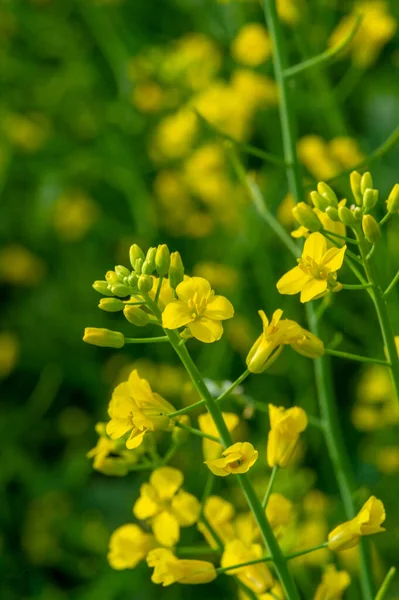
{"points": [[278, 512], [238, 458], [168, 507], [129, 545], [169, 569], [210, 449], [252, 45], [110, 456], [219, 513], [367, 522], [285, 428], [276, 334], [257, 577], [333, 584], [316, 272], [199, 309], [135, 408]]}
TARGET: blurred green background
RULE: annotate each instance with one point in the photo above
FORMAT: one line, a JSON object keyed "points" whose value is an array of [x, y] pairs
{"points": [[100, 148]]}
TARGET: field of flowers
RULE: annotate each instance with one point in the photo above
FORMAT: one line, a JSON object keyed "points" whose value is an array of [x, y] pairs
{"points": [[199, 335]]}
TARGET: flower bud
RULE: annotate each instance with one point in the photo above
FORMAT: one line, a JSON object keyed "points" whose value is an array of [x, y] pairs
{"points": [[147, 268], [111, 277], [121, 290], [176, 270], [103, 337], [319, 201], [111, 304], [366, 182], [150, 259], [306, 217], [122, 272], [332, 213], [346, 216], [371, 229], [136, 316], [355, 179], [135, 252], [370, 199], [102, 287], [327, 192], [358, 213], [138, 265], [162, 260], [133, 280], [145, 283], [393, 199]]}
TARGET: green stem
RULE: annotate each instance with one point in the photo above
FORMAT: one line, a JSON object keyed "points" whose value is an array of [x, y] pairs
{"points": [[159, 287], [269, 487], [357, 357], [149, 340], [354, 286], [195, 550], [385, 584], [341, 237], [391, 285], [385, 219], [197, 432]]}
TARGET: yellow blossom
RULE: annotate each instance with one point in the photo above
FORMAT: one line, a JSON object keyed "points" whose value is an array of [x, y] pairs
{"points": [[316, 272], [278, 512], [168, 507], [19, 266], [169, 569], [110, 456], [255, 89], [275, 593], [315, 155], [74, 215], [219, 514], [199, 309], [218, 275], [367, 522], [135, 408], [276, 334], [148, 96], [129, 545], [175, 135], [105, 338], [285, 427], [257, 577], [211, 449], [252, 45], [333, 584], [9, 352], [346, 151], [387, 459], [238, 458]]}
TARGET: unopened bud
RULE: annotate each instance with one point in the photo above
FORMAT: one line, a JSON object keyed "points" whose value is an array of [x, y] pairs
{"points": [[133, 280], [327, 192], [120, 290], [366, 182], [111, 277], [145, 283], [135, 252], [162, 260], [332, 213], [355, 179], [371, 229], [103, 337], [102, 287], [346, 216], [122, 272], [136, 316], [370, 199], [150, 259], [306, 217], [358, 213], [138, 265], [111, 304], [393, 199], [147, 268], [176, 270], [319, 201]]}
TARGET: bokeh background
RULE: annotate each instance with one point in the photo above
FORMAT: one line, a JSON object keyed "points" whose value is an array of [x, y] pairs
{"points": [[99, 148]]}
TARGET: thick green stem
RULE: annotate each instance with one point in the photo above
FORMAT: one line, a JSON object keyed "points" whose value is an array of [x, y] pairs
{"points": [[348, 356]]}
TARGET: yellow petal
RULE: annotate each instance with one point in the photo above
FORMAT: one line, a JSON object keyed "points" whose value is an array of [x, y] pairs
{"points": [[194, 285], [146, 506], [166, 529], [205, 330], [219, 308], [315, 247], [116, 428], [265, 320], [334, 258], [176, 314], [186, 508], [166, 481], [313, 288], [293, 281], [135, 439]]}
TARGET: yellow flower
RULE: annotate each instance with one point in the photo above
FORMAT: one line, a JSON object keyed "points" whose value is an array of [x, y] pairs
{"points": [[238, 458], [9, 352], [276, 334], [367, 522], [110, 456], [129, 545], [278, 512], [285, 428], [333, 584], [74, 215], [199, 309], [275, 593], [168, 507], [169, 569], [219, 514], [316, 272], [135, 408], [311, 532], [105, 338], [212, 450], [257, 577], [19, 266], [246, 528], [252, 45]]}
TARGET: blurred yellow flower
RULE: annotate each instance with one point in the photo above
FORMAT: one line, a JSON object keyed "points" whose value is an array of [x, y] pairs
{"points": [[9, 352], [315, 155], [110, 456], [279, 511], [218, 275], [19, 266], [387, 459], [252, 45], [129, 545], [367, 522], [310, 533], [169, 569], [199, 309], [238, 458], [316, 272], [258, 91], [258, 577], [74, 215], [219, 513], [286, 425], [346, 151], [211, 449], [333, 584], [28, 132], [168, 507], [174, 135], [148, 96]]}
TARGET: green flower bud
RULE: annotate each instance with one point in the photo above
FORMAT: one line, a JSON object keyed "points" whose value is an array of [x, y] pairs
{"points": [[366, 182], [176, 270], [162, 260], [319, 201], [103, 337], [327, 192], [136, 316], [346, 216], [135, 252], [111, 277], [145, 283], [150, 259], [370, 199], [306, 217], [358, 213], [102, 287], [121, 290], [138, 265], [133, 280], [111, 304], [355, 179], [122, 272], [393, 199], [371, 229], [332, 212]]}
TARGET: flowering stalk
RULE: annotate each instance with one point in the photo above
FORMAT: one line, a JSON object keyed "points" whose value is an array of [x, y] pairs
{"points": [[334, 440]]}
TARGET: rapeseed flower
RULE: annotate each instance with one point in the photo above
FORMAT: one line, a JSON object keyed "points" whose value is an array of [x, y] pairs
{"points": [[367, 522], [286, 425], [211, 449], [252, 45], [129, 545], [279, 511], [219, 514], [198, 309], [316, 272], [238, 458], [169, 569], [135, 408], [105, 338], [258, 577], [166, 505], [333, 584]]}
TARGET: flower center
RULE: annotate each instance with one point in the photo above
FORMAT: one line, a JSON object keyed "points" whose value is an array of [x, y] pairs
{"points": [[197, 305], [312, 268]]}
